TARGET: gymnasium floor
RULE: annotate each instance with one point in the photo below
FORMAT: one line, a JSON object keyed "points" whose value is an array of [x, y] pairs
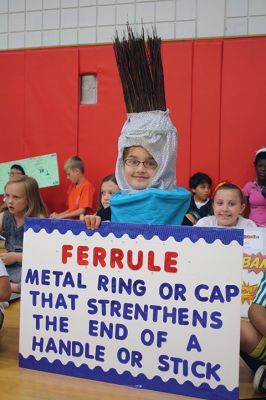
{"points": [[22, 384]]}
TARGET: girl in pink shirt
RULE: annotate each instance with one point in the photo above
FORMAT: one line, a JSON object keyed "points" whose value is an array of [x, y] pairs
{"points": [[255, 191]]}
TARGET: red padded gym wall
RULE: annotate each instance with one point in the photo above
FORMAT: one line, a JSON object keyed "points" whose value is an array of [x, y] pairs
{"points": [[206, 81], [100, 123], [215, 90], [51, 120], [177, 61], [12, 105], [243, 115]]}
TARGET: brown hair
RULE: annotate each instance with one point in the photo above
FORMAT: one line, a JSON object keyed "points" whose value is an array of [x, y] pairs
{"points": [[229, 186], [108, 178], [35, 204], [73, 163], [125, 152], [127, 149]]}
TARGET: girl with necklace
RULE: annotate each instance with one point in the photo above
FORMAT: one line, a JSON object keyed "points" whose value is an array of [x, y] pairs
{"points": [[255, 191]]}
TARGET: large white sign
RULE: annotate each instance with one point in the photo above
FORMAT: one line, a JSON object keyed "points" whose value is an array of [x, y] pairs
{"points": [[156, 307]]}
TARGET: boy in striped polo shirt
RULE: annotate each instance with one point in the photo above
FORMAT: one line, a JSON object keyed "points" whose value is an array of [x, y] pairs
{"points": [[253, 337]]}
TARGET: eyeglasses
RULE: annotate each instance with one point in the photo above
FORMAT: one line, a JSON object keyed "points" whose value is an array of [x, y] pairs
{"points": [[149, 164], [14, 173]]}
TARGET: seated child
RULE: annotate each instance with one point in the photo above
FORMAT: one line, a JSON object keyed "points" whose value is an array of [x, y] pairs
{"points": [[16, 170], [147, 147], [23, 199], [200, 204], [253, 337], [80, 191], [228, 205], [255, 191], [107, 189], [5, 290]]}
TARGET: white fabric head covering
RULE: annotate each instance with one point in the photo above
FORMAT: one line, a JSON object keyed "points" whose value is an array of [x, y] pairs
{"points": [[262, 150], [154, 131]]}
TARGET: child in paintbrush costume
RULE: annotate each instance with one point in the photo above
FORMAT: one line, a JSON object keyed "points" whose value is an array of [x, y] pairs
{"points": [[147, 147]]}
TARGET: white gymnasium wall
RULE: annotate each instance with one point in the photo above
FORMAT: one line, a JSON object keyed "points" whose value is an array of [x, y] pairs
{"points": [[37, 23]]}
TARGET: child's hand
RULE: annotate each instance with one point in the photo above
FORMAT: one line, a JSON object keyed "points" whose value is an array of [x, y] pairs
{"points": [[91, 221], [54, 215], [9, 258], [191, 218]]}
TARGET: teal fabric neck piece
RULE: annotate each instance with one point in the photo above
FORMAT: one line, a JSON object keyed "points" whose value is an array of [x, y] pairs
{"points": [[151, 206]]}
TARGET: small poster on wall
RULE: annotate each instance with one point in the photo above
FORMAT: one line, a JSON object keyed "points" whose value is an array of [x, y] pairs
{"points": [[43, 168], [148, 306]]}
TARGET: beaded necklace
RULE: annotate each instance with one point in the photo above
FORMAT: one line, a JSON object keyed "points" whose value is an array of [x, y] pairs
{"points": [[259, 188]]}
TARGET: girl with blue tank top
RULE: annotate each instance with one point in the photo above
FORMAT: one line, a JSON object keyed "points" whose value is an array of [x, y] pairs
{"points": [[22, 199]]}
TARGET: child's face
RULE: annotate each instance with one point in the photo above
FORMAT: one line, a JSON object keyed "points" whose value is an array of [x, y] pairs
{"points": [[14, 172], [261, 169], [139, 176], [202, 192], [15, 198], [72, 175], [227, 206], [107, 190]]}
